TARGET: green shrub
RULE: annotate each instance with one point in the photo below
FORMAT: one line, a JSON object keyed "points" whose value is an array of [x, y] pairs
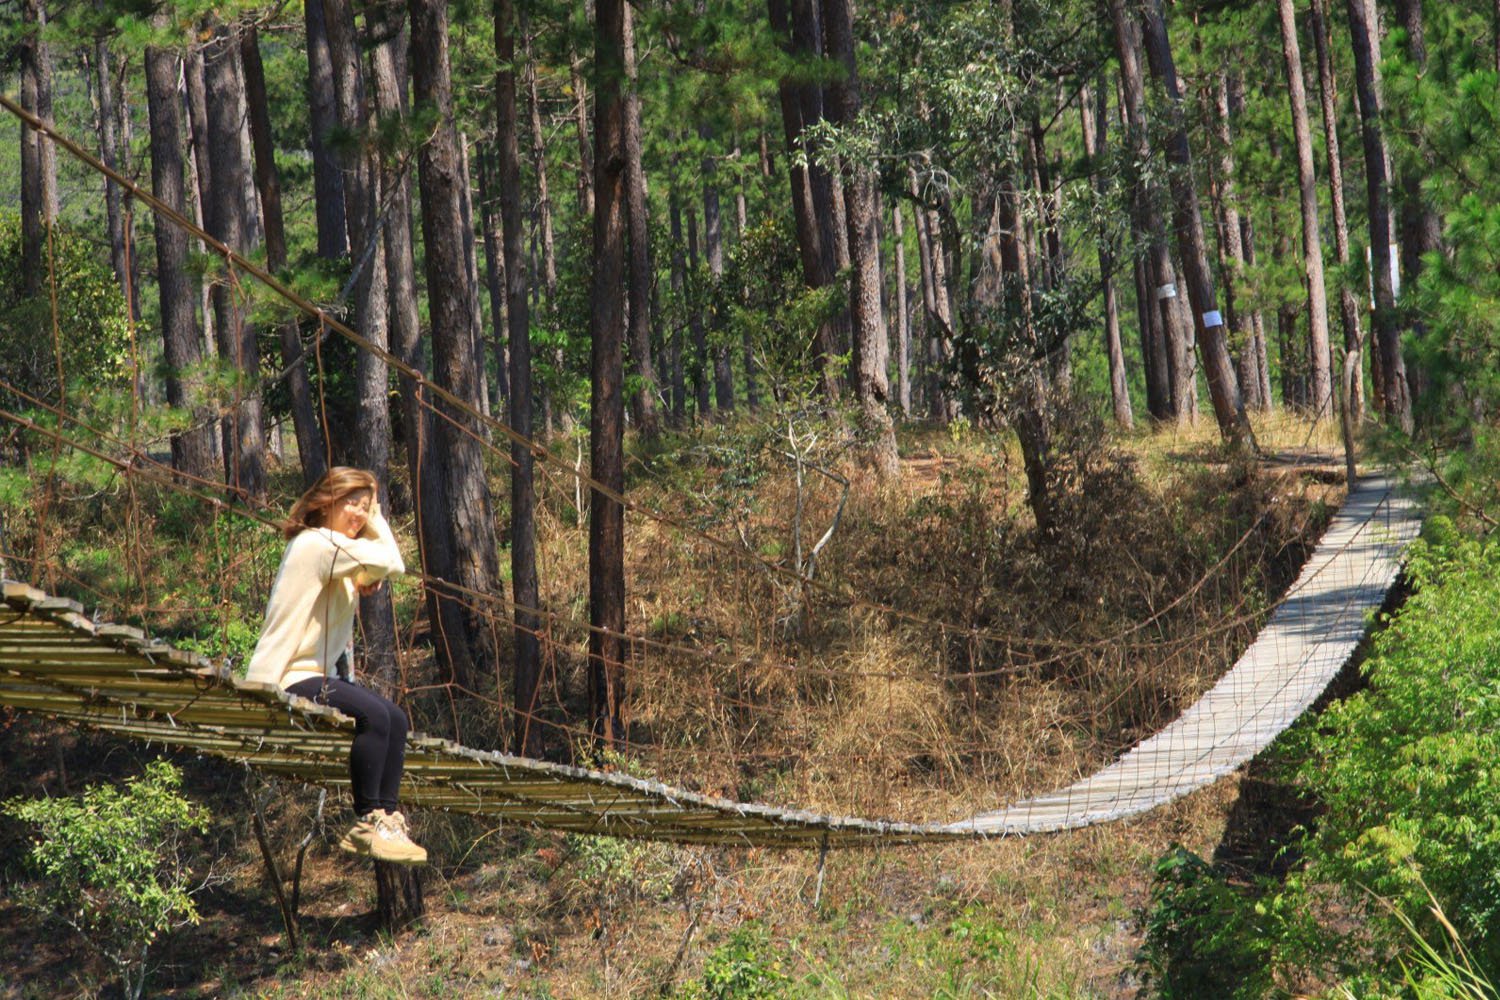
{"points": [[742, 968], [1204, 937], [1408, 767], [109, 864]]}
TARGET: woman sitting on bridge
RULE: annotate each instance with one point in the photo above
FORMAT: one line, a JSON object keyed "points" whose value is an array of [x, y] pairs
{"points": [[340, 546]]}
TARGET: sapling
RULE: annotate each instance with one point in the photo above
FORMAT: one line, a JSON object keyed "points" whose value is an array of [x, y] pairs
{"points": [[109, 864]]}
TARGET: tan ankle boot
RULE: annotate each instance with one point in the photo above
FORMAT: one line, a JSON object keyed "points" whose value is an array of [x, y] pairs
{"points": [[361, 835], [391, 842]]}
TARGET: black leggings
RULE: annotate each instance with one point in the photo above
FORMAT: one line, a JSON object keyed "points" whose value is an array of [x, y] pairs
{"points": [[379, 753]]}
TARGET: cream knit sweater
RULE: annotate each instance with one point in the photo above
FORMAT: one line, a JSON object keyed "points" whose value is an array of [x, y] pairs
{"points": [[310, 616]]}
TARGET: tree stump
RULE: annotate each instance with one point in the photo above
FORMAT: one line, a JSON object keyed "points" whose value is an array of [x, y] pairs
{"points": [[398, 896]]}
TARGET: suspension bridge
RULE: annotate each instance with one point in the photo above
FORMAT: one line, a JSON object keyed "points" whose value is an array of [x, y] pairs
{"points": [[57, 661]]}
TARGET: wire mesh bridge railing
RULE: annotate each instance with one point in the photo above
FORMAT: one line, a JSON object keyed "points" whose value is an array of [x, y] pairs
{"points": [[56, 661]]}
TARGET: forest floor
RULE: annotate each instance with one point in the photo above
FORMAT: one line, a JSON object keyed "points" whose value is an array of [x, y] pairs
{"points": [[513, 912]]}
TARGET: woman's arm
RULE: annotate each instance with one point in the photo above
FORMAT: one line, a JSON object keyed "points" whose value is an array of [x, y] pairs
{"points": [[368, 559]]}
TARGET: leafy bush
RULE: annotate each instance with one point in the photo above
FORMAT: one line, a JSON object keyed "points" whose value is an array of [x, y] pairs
{"points": [[742, 968], [109, 864], [1204, 937], [1407, 768], [94, 333]]}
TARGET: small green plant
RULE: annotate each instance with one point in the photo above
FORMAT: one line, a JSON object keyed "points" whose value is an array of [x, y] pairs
{"points": [[742, 968], [615, 869], [1446, 972], [1204, 937], [109, 864]]}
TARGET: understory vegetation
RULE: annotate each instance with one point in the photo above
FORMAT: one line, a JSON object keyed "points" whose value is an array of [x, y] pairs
{"points": [[800, 705]]}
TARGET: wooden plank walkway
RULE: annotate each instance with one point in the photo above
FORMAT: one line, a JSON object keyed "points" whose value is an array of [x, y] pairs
{"points": [[55, 661]]}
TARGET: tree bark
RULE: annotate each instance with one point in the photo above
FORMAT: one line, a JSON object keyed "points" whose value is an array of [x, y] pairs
{"points": [[1421, 228], [527, 735], [702, 367], [1161, 273], [494, 268], [938, 321], [455, 369], [713, 247], [539, 169], [903, 316], [471, 260], [310, 443], [429, 498], [362, 197], [1394, 397], [679, 291], [109, 152], [1320, 385], [198, 172], [607, 649], [643, 399], [581, 127], [1229, 408], [192, 449], [1095, 122], [244, 438], [1232, 249], [328, 180], [870, 348], [38, 161], [1349, 311], [801, 106]]}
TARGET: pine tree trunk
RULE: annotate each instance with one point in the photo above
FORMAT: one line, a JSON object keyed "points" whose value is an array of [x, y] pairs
{"points": [[526, 733], [1223, 390], [430, 499], [702, 366], [494, 269], [38, 165], [1095, 121], [328, 179], [1161, 273], [107, 116], [539, 169], [713, 246], [607, 649], [198, 171], [938, 321], [372, 436], [1320, 384], [1393, 396], [471, 260], [192, 449], [244, 438], [459, 456], [585, 144], [903, 316], [1349, 310], [1421, 228], [1232, 249], [815, 272], [643, 399], [871, 350], [679, 290], [310, 443]]}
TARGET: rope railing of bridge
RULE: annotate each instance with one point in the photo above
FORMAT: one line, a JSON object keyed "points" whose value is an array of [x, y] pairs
{"points": [[56, 661]]}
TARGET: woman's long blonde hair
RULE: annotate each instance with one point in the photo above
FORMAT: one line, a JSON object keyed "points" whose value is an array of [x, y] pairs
{"points": [[311, 509]]}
